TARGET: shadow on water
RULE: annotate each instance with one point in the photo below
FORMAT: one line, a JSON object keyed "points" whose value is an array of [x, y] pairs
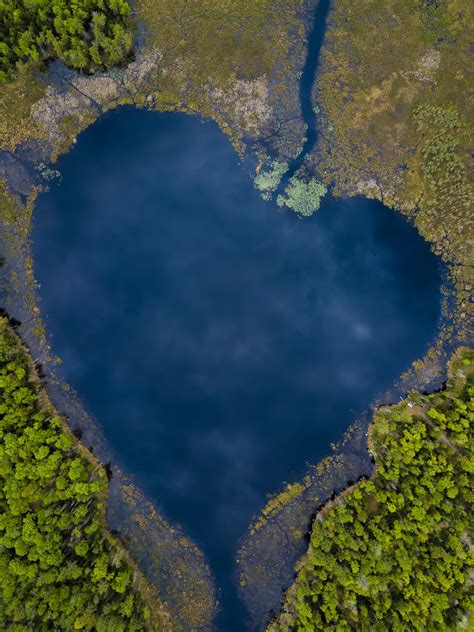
{"points": [[222, 345]]}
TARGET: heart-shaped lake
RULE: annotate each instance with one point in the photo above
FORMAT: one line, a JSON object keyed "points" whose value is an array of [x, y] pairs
{"points": [[221, 344]]}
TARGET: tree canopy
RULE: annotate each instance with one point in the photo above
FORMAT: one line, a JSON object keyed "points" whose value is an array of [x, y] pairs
{"points": [[59, 566], [86, 34], [394, 552]]}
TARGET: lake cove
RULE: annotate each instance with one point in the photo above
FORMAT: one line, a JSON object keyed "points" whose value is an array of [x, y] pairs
{"points": [[222, 345]]}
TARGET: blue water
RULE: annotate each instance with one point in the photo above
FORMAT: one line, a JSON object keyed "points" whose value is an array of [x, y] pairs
{"points": [[221, 344]]}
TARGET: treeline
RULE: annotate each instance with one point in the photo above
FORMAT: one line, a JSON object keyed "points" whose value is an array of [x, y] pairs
{"points": [[86, 34], [59, 567], [395, 552]]}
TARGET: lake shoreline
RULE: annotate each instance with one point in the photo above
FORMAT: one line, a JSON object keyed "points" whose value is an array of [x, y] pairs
{"points": [[25, 309]]}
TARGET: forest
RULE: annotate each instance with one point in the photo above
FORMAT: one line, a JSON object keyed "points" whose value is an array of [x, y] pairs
{"points": [[394, 551], [60, 568], [86, 35], [394, 90]]}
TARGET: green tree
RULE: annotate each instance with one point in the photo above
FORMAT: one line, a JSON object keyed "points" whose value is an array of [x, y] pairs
{"points": [[86, 34]]}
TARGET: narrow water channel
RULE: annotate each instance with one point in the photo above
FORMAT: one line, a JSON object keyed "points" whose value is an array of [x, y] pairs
{"points": [[221, 344], [308, 112]]}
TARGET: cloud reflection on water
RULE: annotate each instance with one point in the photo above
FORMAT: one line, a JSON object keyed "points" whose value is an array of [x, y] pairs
{"points": [[221, 345]]}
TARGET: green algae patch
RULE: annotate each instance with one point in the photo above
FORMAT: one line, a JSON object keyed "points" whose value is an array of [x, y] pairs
{"points": [[301, 196], [268, 179], [394, 551]]}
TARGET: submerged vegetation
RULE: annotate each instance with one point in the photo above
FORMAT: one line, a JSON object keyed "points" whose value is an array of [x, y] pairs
{"points": [[59, 566], [394, 552], [304, 198], [85, 34]]}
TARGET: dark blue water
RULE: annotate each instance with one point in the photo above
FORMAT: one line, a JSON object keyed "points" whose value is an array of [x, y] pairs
{"points": [[221, 344]]}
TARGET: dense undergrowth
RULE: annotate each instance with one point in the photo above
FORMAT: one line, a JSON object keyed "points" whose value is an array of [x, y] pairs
{"points": [[85, 34], [59, 566], [394, 552]]}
